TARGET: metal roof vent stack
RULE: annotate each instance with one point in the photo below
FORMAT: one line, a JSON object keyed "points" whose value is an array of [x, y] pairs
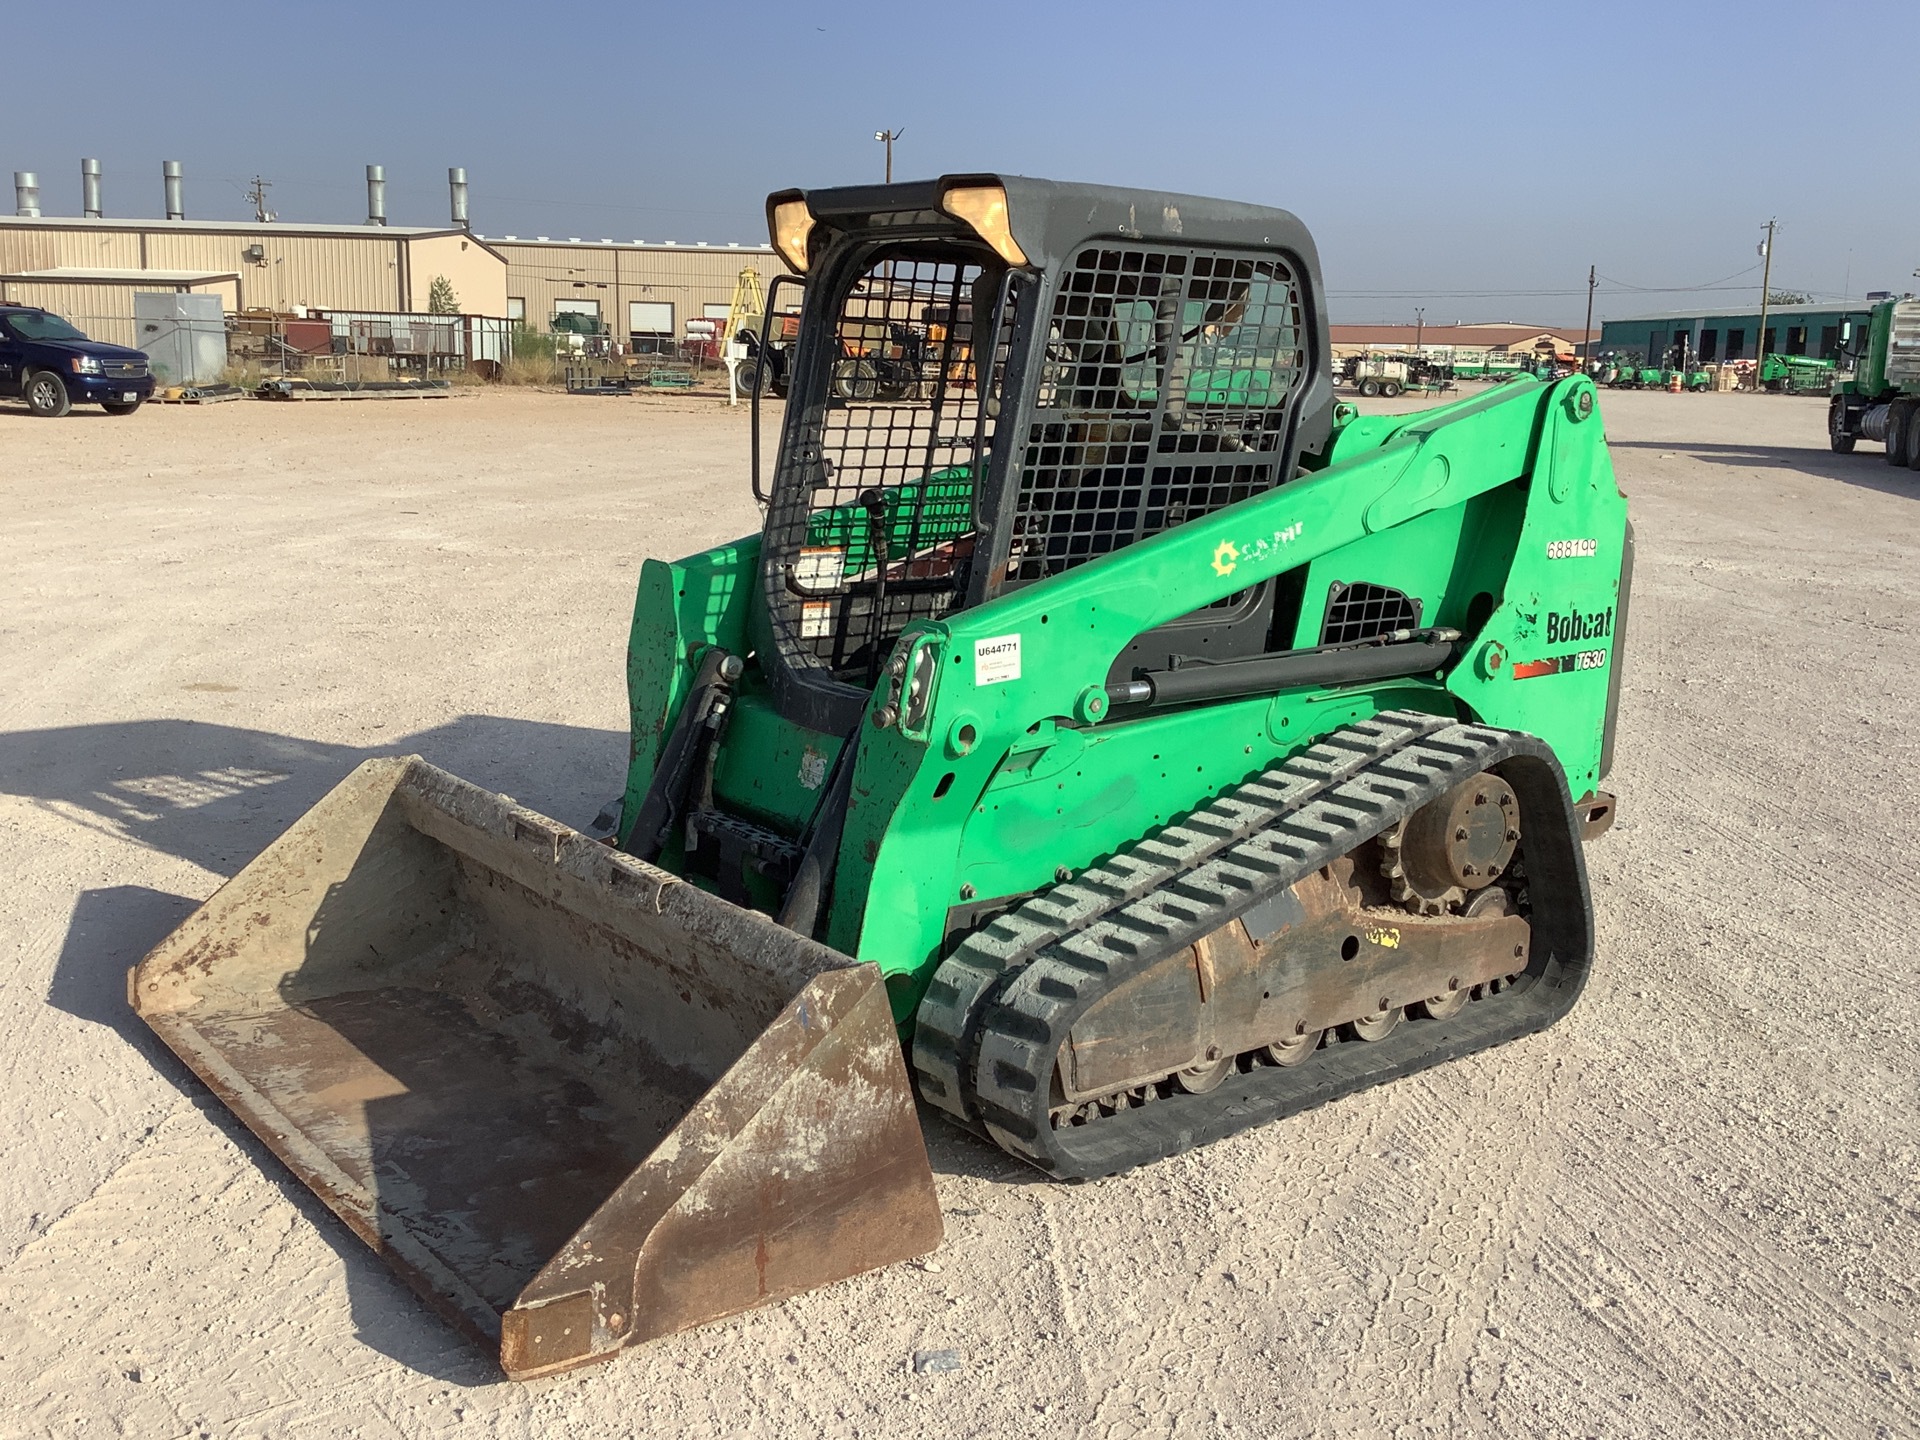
{"points": [[26, 193], [376, 194], [457, 192], [176, 205], [90, 189]]}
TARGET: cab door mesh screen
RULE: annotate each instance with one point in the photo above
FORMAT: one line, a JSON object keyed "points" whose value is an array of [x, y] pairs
{"points": [[1163, 396], [892, 464]]}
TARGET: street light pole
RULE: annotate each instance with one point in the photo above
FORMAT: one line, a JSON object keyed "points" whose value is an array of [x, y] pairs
{"points": [[1419, 327], [1766, 294], [887, 137], [1586, 335]]}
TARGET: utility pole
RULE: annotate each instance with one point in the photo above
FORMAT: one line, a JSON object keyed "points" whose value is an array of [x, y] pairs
{"points": [[887, 137], [1586, 335], [1766, 294], [258, 195], [1419, 327]]}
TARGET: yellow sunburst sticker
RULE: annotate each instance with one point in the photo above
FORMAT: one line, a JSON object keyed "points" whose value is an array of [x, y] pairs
{"points": [[1225, 557]]}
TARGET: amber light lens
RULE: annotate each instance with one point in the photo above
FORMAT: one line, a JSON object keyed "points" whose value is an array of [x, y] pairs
{"points": [[792, 224], [984, 207]]}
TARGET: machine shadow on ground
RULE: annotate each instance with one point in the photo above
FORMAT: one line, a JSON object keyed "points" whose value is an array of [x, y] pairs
{"points": [[216, 795], [1866, 468], [111, 928], [79, 412], [956, 1154]]}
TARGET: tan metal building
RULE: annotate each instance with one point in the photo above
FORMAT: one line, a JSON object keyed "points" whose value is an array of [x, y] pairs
{"points": [[273, 266], [1440, 340], [100, 302], [643, 294]]}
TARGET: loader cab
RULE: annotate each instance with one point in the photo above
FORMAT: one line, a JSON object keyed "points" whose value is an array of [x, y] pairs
{"points": [[998, 380]]}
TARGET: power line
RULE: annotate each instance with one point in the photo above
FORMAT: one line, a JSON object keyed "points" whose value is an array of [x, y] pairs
{"points": [[1721, 283], [1520, 294], [1608, 286]]}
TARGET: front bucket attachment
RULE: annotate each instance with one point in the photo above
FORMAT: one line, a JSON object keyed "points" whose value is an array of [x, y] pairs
{"points": [[575, 1102]]}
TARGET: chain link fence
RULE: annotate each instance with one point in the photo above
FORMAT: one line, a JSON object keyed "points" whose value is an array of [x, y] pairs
{"points": [[347, 345], [572, 345]]}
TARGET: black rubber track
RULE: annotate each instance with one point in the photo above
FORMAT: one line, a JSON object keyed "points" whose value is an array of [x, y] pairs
{"points": [[1060, 958], [947, 1027]]}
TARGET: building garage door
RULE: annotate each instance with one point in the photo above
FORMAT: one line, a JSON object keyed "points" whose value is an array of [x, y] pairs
{"points": [[576, 317], [650, 325]]}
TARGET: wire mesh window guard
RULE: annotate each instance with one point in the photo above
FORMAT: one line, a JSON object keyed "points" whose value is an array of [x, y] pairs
{"points": [[1362, 610], [1163, 396], [891, 462]]}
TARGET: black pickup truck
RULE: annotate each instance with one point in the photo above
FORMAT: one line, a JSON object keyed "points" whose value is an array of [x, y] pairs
{"points": [[51, 365]]}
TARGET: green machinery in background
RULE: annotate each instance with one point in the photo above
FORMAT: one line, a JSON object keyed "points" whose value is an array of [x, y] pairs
{"points": [[1626, 373], [1629, 375], [1876, 389], [1483, 365], [1107, 731], [1795, 374]]}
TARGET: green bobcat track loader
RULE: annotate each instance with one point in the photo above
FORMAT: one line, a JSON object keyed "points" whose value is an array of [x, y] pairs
{"points": [[1107, 734]]}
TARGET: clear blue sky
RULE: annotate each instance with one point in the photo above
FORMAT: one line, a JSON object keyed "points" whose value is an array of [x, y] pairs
{"points": [[1471, 158]]}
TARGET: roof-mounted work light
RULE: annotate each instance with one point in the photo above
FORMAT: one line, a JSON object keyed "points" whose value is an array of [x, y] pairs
{"points": [[984, 207], [790, 223]]}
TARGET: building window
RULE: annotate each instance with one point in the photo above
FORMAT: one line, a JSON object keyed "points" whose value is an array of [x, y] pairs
{"points": [[1796, 340], [1767, 343], [1829, 341], [650, 326], [1656, 347], [517, 309], [711, 311], [1709, 346], [1736, 343]]}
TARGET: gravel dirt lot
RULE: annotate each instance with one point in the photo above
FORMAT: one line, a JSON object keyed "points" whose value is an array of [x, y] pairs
{"points": [[1693, 1208]]}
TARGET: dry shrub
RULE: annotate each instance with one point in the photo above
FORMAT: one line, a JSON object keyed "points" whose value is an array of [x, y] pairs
{"points": [[531, 370]]}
